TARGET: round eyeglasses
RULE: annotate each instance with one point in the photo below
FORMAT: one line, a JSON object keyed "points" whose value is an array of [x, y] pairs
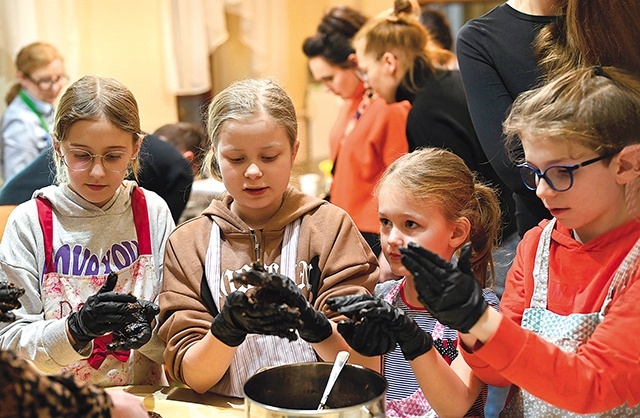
{"points": [[48, 83], [113, 161], [558, 177]]}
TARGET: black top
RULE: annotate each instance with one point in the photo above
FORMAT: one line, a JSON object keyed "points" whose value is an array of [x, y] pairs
{"points": [[497, 62], [439, 117], [163, 170]]}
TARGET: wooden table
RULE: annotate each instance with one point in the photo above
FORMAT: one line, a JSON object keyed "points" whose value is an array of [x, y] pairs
{"points": [[185, 403]]}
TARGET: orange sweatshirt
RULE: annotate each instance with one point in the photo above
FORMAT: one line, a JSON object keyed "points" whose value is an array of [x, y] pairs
{"points": [[376, 140], [600, 376]]}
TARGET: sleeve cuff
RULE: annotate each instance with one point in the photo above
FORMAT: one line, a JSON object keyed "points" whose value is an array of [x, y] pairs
{"points": [[503, 346], [58, 347]]}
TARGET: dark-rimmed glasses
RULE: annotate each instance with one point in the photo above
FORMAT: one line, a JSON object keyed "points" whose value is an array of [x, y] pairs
{"points": [[558, 177], [48, 83], [113, 161]]}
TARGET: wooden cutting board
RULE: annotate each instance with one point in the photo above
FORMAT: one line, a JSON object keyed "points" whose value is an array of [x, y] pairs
{"points": [[184, 402]]}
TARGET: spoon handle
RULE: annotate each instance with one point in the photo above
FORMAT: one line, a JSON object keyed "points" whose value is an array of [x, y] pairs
{"points": [[341, 360]]}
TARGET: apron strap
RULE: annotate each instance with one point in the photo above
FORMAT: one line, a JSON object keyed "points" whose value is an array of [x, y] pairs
{"points": [[34, 109], [45, 217], [141, 220]]}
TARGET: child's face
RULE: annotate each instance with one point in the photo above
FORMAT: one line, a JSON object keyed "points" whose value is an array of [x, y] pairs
{"points": [[404, 220], [595, 202], [255, 159], [53, 71], [95, 183]]}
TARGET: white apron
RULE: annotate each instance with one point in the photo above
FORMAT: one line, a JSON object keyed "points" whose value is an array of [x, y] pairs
{"points": [[567, 332], [63, 294], [257, 351]]}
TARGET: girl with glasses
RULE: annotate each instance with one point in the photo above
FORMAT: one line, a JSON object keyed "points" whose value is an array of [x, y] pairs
{"points": [[27, 121], [567, 333], [89, 250]]}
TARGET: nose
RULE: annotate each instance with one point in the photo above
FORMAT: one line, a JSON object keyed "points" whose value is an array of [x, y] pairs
{"points": [[97, 170], [396, 238], [253, 171], [543, 189]]}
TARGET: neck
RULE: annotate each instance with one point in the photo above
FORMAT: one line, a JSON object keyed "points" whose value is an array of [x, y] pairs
{"points": [[410, 292], [537, 7]]}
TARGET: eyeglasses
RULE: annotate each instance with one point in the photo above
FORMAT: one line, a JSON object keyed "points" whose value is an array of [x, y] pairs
{"points": [[113, 161], [558, 177], [48, 83]]}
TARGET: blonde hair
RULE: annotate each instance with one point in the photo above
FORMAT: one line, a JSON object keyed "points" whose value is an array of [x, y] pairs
{"points": [[243, 100], [402, 33], [594, 106], [29, 59], [96, 98], [441, 177]]}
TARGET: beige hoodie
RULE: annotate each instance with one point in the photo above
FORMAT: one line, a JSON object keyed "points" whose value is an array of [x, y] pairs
{"points": [[328, 238]]}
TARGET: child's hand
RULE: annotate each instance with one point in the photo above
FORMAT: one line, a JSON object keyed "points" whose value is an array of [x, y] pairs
{"points": [[375, 327], [451, 294], [240, 317], [135, 335], [102, 313], [9, 294], [277, 288]]}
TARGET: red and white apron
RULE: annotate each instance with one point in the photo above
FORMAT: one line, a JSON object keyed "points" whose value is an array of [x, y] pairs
{"points": [[63, 294]]}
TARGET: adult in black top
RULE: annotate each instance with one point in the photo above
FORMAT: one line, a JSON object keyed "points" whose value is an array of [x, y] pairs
{"points": [[396, 61], [497, 62], [163, 170]]}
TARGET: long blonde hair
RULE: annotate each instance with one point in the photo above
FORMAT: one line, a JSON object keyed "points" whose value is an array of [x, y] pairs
{"points": [[440, 177]]}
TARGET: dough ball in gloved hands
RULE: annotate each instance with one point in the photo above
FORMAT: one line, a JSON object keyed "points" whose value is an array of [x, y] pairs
{"points": [[136, 334], [375, 327], [9, 295], [450, 293], [102, 313], [276, 288], [240, 317]]}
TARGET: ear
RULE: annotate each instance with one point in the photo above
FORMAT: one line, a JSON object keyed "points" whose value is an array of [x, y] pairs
{"points": [[137, 145], [296, 146], [188, 155], [390, 62], [55, 143], [628, 164], [461, 231], [22, 79], [352, 59]]}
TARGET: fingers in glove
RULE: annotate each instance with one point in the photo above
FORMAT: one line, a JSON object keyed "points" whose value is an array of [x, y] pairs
{"points": [[148, 310], [131, 337], [109, 284], [428, 277], [464, 261]]}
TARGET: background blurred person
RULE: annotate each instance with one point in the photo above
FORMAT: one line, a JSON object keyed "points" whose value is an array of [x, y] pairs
{"points": [[27, 121]]}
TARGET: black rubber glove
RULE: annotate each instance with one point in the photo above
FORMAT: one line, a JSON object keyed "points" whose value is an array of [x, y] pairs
{"points": [[239, 317], [102, 313], [375, 327], [451, 294], [276, 288], [135, 335], [9, 294]]}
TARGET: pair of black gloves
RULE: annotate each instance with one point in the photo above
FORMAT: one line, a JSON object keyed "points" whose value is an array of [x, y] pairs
{"points": [[450, 293], [128, 318], [273, 306]]}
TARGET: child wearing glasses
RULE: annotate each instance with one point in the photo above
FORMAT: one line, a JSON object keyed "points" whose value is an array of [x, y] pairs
{"points": [[89, 250], [30, 106], [567, 332]]}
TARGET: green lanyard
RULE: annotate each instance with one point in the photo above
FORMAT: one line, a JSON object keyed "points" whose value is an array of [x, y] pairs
{"points": [[33, 107]]}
